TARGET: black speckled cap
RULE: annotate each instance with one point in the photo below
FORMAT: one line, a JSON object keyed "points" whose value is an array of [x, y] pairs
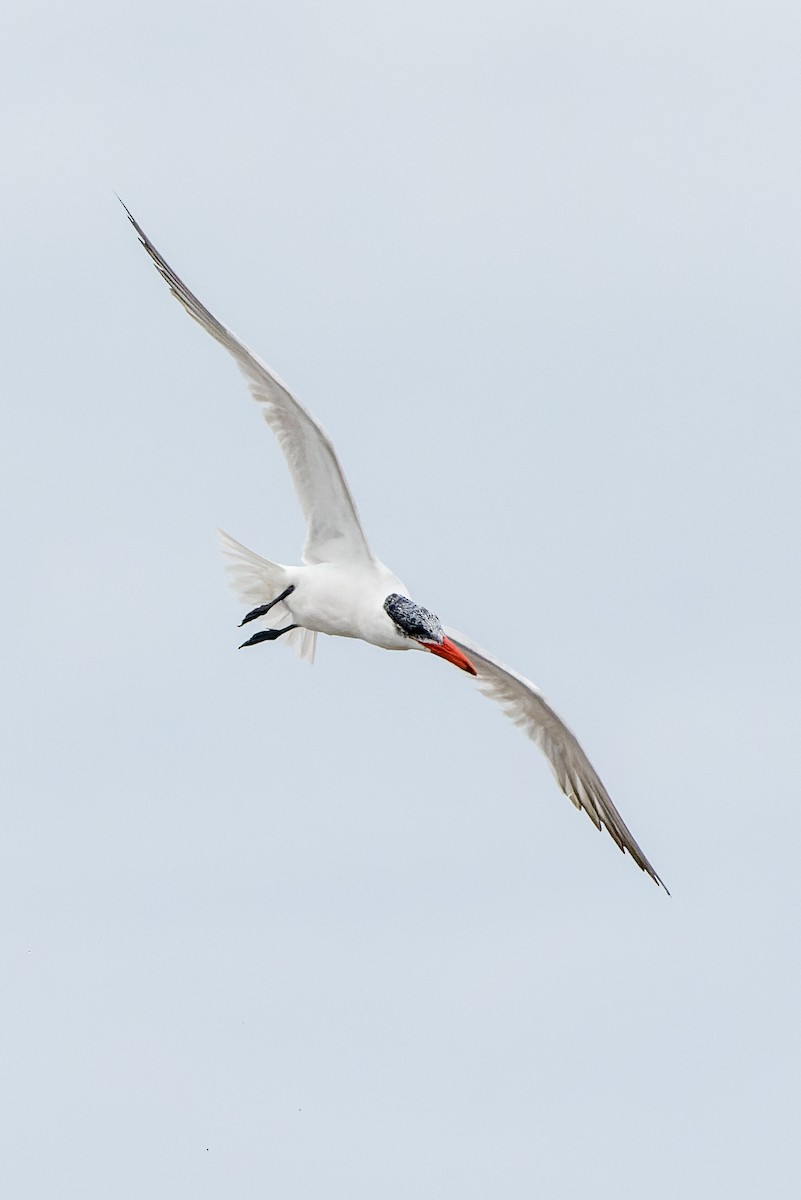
{"points": [[411, 619]]}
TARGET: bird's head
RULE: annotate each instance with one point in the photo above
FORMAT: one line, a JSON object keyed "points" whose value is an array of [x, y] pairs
{"points": [[423, 627]]}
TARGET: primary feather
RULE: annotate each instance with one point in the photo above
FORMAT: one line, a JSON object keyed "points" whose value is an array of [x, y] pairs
{"points": [[524, 704], [334, 532]]}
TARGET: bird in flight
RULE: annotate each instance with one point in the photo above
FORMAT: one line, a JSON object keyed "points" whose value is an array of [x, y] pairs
{"points": [[345, 591]]}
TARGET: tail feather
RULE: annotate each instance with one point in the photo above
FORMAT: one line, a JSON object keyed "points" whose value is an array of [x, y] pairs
{"points": [[303, 641], [252, 577], [255, 580]]}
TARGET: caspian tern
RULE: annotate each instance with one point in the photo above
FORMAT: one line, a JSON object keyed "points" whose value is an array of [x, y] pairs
{"points": [[345, 591]]}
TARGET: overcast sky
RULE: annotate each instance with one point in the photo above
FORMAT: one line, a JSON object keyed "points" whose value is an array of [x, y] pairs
{"points": [[273, 931]]}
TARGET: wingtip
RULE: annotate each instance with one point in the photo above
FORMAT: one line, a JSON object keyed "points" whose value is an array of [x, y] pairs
{"points": [[646, 867], [639, 858], [125, 206], [143, 238], [651, 873]]}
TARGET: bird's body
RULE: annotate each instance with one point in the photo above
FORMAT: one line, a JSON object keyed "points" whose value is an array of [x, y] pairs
{"points": [[345, 601], [343, 590], [332, 599]]}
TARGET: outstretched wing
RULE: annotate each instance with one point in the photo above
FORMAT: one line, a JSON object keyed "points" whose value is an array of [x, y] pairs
{"points": [[334, 532], [575, 774]]}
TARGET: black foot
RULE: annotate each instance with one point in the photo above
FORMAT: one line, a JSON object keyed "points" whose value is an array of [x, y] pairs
{"points": [[267, 635], [265, 608]]}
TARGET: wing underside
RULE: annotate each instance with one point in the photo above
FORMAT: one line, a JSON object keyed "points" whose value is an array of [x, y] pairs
{"points": [[334, 532], [524, 704]]}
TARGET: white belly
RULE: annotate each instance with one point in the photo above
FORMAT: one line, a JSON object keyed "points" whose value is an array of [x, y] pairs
{"points": [[347, 602]]}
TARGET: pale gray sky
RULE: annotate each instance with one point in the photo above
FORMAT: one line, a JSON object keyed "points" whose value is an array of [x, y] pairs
{"points": [[277, 932]]}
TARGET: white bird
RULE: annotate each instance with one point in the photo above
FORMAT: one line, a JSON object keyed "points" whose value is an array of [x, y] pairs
{"points": [[345, 591]]}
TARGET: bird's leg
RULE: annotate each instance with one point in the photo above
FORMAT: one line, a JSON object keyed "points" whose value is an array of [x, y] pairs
{"points": [[265, 608], [267, 635]]}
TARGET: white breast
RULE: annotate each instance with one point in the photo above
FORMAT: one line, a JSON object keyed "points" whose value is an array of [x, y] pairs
{"points": [[347, 602]]}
